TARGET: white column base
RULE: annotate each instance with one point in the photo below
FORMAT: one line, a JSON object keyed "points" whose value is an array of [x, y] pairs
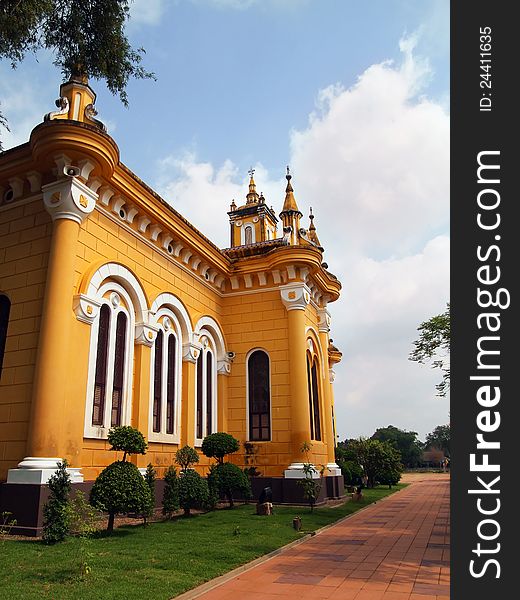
{"points": [[333, 469], [36, 470], [295, 471]]}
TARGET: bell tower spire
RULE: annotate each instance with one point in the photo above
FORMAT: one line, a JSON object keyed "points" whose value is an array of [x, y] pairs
{"points": [[290, 214]]}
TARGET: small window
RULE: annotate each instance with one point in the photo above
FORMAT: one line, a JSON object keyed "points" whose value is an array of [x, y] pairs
{"points": [[5, 309], [259, 396], [98, 408]]}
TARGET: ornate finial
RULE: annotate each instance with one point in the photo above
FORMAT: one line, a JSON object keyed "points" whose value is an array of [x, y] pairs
{"points": [[313, 236], [233, 206], [252, 196], [288, 175]]}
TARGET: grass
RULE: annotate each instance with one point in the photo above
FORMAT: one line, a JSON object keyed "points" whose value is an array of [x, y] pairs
{"points": [[161, 560]]}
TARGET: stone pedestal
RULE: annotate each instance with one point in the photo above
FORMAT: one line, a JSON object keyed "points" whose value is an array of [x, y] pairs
{"points": [[38, 470]]}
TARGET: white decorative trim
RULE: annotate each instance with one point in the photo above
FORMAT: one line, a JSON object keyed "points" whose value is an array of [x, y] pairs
{"points": [[127, 279], [38, 470], [105, 193], [209, 325], [170, 301], [145, 334], [324, 320], [209, 346], [295, 296], [190, 352], [35, 180], [86, 167], [295, 471], [333, 469], [262, 279], [86, 309], [332, 375], [68, 198]]}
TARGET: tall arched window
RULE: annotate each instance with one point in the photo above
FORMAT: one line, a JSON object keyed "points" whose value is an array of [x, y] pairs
{"points": [[259, 396], [314, 397], [112, 344], [166, 364], [5, 308], [206, 392]]}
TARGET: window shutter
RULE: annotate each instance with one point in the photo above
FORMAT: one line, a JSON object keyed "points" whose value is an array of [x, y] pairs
{"points": [[259, 397], [199, 396], [157, 382], [209, 392], [100, 379], [170, 383], [119, 367], [5, 309]]}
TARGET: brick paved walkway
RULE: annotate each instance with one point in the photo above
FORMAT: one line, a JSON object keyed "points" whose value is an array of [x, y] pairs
{"points": [[397, 549]]}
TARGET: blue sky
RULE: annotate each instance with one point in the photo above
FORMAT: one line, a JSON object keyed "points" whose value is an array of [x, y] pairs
{"points": [[354, 95]]}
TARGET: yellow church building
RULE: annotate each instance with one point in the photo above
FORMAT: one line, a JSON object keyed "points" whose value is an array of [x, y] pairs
{"points": [[115, 310]]}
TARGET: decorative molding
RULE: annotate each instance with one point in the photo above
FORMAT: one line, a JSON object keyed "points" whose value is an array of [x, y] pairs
{"points": [[295, 296], [85, 308], [145, 334], [190, 352], [69, 199], [324, 320], [35, 180], [332, 375]]}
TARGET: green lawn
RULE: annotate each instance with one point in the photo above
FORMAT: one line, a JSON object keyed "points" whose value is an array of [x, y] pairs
{"points": [[161, 560]]}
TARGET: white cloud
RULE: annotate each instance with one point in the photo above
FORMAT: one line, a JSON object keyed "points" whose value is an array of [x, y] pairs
{"points": [[245, 4], [147, 12], [373, 162]]}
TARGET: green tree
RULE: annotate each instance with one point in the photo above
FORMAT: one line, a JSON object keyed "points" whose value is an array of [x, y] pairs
{"points": [[376, 458], [171, 491], [56, 512], [218, 445], [226, 479], [404, 441], [127, 439], [193, 491], [434, 345], [120, 488], [185, 457], [87, 38], [439, 438], [150, 476]]}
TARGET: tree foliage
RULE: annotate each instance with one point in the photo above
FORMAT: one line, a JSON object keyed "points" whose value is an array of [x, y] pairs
{"points": [[170, 501], [404, 441], [379, 459], [434, 345], [128, 440], [218, 445], [150, 476], [227, 479], [120, 488], [87, 38], [56, 513], [440, 438], [193, 491], [186, 457]]}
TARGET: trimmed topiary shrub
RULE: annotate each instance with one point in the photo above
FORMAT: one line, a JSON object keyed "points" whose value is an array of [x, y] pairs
{"points": [[150, 476], [120, 488], [127, 439], [217, 445], [171, 492], [226, 478], [56, 512], [193, 491], [186, 457]]}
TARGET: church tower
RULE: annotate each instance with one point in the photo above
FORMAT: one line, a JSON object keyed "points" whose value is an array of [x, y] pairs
{"points": [[254, 221]]}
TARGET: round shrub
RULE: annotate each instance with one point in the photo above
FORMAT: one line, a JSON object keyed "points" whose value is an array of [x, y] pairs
{"points": [[217, 445], [226, 479], [193, 491], [186, 456], [120, 488], [127, 439]]}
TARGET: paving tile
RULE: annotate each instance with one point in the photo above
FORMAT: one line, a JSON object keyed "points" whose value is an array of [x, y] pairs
{"points": [[396, 550]]}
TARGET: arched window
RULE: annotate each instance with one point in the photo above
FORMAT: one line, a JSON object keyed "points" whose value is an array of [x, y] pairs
{"points": [[110, 388], [314, 397], [259, 396], [248, 234], [166, 365], [206, 392], [5, 308]]}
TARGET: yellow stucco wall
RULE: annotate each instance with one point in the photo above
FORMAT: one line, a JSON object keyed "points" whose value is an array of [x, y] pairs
{"points": [[24, 247]]}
